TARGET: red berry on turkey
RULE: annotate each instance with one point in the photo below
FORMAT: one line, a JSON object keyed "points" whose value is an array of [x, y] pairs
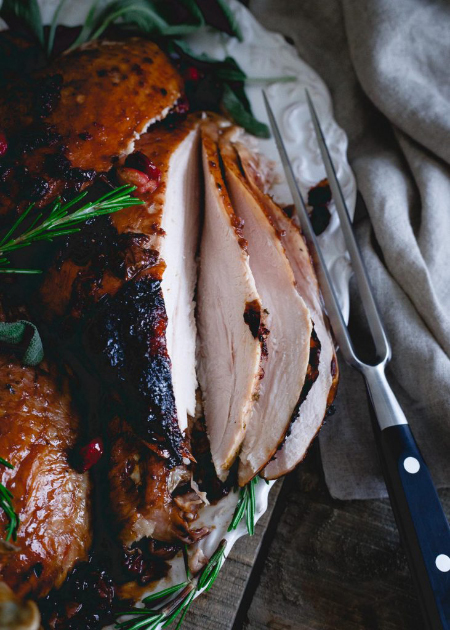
{"points": [[89, 455], [141, 162]]}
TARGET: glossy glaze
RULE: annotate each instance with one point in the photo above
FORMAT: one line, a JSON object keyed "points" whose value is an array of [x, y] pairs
{"points": [[38, 429]]}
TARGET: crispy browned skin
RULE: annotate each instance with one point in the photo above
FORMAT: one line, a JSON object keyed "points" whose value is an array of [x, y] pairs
{"points": [[38, 428], [140, 488], [119, 248], [72, 121], [105, 286]]}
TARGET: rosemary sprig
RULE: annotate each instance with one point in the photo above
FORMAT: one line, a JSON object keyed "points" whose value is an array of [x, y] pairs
{"points": [[59, 222], [7, 506], [153, 618], [246, 506]]}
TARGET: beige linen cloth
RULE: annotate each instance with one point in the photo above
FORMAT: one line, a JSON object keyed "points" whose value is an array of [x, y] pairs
{"points": [[387, 65]]}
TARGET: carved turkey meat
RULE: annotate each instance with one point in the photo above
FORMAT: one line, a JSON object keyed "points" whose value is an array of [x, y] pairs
{"points": [[312, 411], [288, 320], [229, 317]]}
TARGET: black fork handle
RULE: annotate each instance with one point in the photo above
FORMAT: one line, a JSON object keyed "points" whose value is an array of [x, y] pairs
{"points": [[422, 525]]}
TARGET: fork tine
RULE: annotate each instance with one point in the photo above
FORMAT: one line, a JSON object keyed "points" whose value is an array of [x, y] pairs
{"points": [[373, 316], [326, 285]]}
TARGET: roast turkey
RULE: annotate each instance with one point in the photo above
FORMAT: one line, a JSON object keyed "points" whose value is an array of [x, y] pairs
{"points": [[198, 307]]}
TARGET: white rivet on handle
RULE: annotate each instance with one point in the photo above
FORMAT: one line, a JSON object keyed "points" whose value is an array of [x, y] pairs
{"points": [[411, 465], [443, 563]]}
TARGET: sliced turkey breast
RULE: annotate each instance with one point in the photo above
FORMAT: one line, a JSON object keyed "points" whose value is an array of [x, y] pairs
{"points": [[126, 284], [308, 421], [288, 320], [228, 317], [176, 208]]}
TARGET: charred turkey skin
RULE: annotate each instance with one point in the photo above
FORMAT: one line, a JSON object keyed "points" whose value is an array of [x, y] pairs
{"points": [[114, 266]]}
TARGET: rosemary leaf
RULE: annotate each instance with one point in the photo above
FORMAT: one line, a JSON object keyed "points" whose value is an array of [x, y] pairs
{"points": [[60, 222], [147, 619], [6, 504], [186, 608], [138, 12], [246, 506], [186, 562], [251, 508], [87, 26], [53, 25], [165, 593], [288, 78]]}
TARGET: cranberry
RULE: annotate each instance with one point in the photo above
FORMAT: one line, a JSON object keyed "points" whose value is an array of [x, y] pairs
{"points": [[192, 74], [140, 162], [89, 455], [3, 144], [133, 177]]}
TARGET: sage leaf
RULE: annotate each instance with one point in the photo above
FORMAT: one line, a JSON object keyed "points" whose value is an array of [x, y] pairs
{"points": [[241, 116], [12, 334], [24, 13]]}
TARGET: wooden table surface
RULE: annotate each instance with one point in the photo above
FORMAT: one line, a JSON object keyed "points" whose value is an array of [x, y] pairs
{"points": [[314, 564]]}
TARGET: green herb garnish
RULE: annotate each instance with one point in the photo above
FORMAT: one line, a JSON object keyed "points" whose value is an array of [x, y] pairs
{"points": [[6, 504], [26, 13], [59, 222], [152, 618], [246, 506]]}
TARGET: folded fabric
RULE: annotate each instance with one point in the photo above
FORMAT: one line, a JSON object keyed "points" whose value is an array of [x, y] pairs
{"points": [[386, 65]]}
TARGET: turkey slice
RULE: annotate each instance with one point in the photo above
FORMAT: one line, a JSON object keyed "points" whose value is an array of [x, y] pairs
{"points": [[171, 219], [228, 318], [180, 222], [288, 320], [313, 409]]}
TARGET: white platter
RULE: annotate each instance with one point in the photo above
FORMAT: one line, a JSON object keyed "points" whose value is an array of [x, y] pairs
{"points": [[266, 54]]}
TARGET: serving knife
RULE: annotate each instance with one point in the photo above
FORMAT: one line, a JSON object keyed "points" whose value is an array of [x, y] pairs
{"points": [[422, 524]]}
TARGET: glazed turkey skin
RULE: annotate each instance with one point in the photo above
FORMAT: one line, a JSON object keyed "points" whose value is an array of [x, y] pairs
{"points": [[80, 115], [38, 430]]}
